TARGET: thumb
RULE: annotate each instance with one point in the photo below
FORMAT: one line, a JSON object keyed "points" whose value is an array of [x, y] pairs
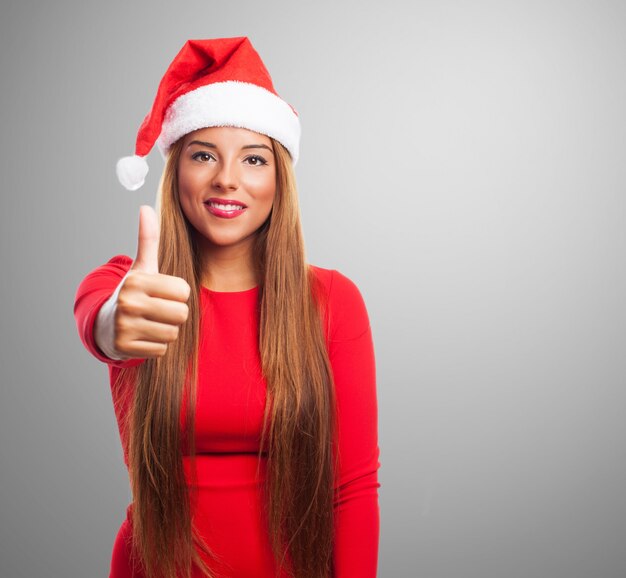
{"points": [[147, 259]]}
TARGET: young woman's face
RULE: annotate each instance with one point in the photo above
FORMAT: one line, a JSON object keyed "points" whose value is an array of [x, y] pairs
{"points": [[226, 184]]}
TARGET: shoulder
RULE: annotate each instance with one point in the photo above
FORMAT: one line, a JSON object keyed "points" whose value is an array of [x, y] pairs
{"points": [[119, 264], [342, 302], [122, 261], [105, 276], [335, 284]]}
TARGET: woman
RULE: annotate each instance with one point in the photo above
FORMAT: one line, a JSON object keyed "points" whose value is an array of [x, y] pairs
{"points": [[219, 327]]}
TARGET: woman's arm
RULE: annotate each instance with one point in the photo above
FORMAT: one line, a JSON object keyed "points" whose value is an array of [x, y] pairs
{"points": [[357, 512], [92, 294]]}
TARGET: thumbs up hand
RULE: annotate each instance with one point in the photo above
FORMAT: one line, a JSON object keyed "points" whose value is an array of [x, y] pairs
{"points": [[147, 258], [150, 307]]}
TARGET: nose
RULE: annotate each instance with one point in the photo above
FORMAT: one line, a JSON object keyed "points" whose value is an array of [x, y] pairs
{"points": [[226, 177]]}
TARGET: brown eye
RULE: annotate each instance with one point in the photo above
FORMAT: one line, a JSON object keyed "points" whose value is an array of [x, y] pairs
{"points": [[256, 160], [202, 156]]}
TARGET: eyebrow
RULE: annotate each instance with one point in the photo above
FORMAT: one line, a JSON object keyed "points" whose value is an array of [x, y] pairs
{"points": [[213, 146]]}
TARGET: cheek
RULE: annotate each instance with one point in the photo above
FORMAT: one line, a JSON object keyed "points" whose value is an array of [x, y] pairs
{"points": [[266, 200], [190, 177], [190, 182], [269, 194], [186, 199], [183, 194], [263, 187], [185, 184]]}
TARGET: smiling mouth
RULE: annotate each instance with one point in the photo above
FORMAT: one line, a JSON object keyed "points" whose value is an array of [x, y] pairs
{"points": [[226, 209], [225, 205]]}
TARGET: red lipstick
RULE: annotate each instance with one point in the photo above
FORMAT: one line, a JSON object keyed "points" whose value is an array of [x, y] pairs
{"points": [[224, 208]]}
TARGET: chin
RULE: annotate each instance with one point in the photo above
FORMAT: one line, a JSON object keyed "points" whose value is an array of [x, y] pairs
{"points": [[228, 241]]}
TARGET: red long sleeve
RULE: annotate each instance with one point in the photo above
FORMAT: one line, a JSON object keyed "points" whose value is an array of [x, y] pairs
{"points": [[229, 410], [93, 291], [352, 358]]}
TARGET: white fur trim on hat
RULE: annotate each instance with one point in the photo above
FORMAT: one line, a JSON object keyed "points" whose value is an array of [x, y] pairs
{"points": [[231, 103]]}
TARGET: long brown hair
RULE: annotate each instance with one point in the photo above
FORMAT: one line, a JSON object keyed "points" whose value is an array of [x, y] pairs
{"points": [[299, 426]]}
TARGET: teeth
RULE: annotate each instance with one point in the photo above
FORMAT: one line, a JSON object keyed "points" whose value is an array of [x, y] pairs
{"points": [[226, 207]]}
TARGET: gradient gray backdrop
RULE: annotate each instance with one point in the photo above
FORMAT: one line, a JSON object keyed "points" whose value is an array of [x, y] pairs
{"points": [[462, 162]]}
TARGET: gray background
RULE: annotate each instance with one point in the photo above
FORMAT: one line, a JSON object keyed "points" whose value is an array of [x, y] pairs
{"points": [[462, 162]]}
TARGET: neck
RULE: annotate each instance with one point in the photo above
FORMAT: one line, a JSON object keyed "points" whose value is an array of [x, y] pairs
{"points": [[228, 268]]}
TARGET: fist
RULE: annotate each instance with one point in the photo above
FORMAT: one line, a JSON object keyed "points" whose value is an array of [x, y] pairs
{"points": [[150, 307]]}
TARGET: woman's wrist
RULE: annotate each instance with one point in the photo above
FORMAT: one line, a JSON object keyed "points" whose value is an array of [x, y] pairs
{"points": [[104, 328]]}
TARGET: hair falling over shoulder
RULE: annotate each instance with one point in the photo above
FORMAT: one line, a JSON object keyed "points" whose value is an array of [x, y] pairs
{"points": [[299, 426]]}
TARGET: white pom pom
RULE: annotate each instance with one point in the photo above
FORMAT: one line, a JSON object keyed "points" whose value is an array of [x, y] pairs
{"points": [[132, 171]]}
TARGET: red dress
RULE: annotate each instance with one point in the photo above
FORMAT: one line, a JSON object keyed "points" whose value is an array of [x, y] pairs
{"points": [[229, 413]]}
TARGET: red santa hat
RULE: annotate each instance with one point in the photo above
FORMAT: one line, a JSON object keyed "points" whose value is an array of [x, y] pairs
{"points": [[214, 82]]}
